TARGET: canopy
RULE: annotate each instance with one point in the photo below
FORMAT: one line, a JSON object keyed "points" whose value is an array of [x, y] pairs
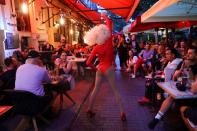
{"points": [[138, 26], [79, 7], [171, 10], [123, 8]]}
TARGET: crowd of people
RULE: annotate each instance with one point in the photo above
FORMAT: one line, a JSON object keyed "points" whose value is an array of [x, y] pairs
{"points": [[27, 70], [30, 70], [169, 61]]}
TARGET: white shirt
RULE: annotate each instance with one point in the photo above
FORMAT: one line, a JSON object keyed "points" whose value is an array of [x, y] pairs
{"points": [[170, 68], [30, 77]]}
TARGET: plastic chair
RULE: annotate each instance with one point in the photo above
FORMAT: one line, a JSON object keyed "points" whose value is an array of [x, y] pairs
{"points": [[30, 106]]}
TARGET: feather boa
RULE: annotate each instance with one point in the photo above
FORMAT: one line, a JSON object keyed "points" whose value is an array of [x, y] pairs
{"points": [[97, 35]]}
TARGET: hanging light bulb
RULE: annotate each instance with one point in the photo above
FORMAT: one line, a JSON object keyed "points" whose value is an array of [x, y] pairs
{"points": [[62, 20], [71, 31], [24, 8]]}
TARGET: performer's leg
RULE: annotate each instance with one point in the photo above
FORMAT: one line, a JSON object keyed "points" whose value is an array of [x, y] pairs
{"points": [[98, 80], [110, 74]]}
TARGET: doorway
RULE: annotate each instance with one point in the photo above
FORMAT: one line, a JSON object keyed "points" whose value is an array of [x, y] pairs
{"points": [[24, 42]]}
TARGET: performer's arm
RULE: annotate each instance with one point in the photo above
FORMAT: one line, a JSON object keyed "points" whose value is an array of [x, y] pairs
{"points": [[108, 21], [89, 61]]}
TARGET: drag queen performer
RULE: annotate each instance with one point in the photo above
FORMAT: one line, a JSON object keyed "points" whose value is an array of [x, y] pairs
{"points": [[102, 36]]}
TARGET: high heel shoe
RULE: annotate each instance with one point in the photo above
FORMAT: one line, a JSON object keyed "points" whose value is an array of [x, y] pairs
{"points": [[123, 116], [90, 113]]}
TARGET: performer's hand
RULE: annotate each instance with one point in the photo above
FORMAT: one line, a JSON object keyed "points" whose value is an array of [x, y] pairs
{"points": [[104, 15]]}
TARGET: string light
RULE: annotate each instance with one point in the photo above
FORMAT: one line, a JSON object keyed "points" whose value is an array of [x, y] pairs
{"points": [[71, 31]]}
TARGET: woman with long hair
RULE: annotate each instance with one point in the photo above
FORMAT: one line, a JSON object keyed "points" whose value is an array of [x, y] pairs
{"points": [[102, 36]]}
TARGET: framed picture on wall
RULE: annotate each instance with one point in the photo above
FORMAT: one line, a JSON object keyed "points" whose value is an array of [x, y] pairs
{"points": [[57, 37], [11, 41]]}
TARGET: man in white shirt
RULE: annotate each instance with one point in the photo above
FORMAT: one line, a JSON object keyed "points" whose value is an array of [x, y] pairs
{"points": [[172, 64], [31, 76], [171, 55]]}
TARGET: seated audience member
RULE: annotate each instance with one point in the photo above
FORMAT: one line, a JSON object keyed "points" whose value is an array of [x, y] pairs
{"points": [[7, 79], [176, 45], [47, 46], [192, 57], [84, 49], [25, 53], [158, 57], [140, 47], [19, 57], [182, 50], [67, 50], [188, 113], [63, 66], [173, 63], [47, 55], [65, 69], [60, 49], [183, 71], [31, 76], [144, 60], [131, 61]]}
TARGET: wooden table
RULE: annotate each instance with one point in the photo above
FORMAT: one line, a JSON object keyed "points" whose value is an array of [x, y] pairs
{"points": [[170, 87], [85, 55], [61, 89], [77, 59], [46, 51]]}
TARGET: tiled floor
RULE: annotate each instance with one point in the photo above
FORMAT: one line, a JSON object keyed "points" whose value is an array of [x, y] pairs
{"points": [[107, 112]]}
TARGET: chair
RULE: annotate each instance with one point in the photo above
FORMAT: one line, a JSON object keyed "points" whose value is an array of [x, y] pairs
{"points": [[29, 106]]}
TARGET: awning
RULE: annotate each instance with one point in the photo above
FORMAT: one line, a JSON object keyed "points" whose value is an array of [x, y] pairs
{"points": [[123, 8], [79, 7], [138, 26], [171, 10]]}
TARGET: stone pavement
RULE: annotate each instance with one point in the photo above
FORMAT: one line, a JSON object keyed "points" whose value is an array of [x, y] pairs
{"points": [[107, 112], [73, 117]]}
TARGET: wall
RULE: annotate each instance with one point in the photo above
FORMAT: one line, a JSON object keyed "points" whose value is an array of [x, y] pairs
{"points": [[7, 24], [40, 31], [2, 55], [71, 18]]}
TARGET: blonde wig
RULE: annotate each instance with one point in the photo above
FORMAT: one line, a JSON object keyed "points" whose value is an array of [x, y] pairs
{"points": [[97, 35]]}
